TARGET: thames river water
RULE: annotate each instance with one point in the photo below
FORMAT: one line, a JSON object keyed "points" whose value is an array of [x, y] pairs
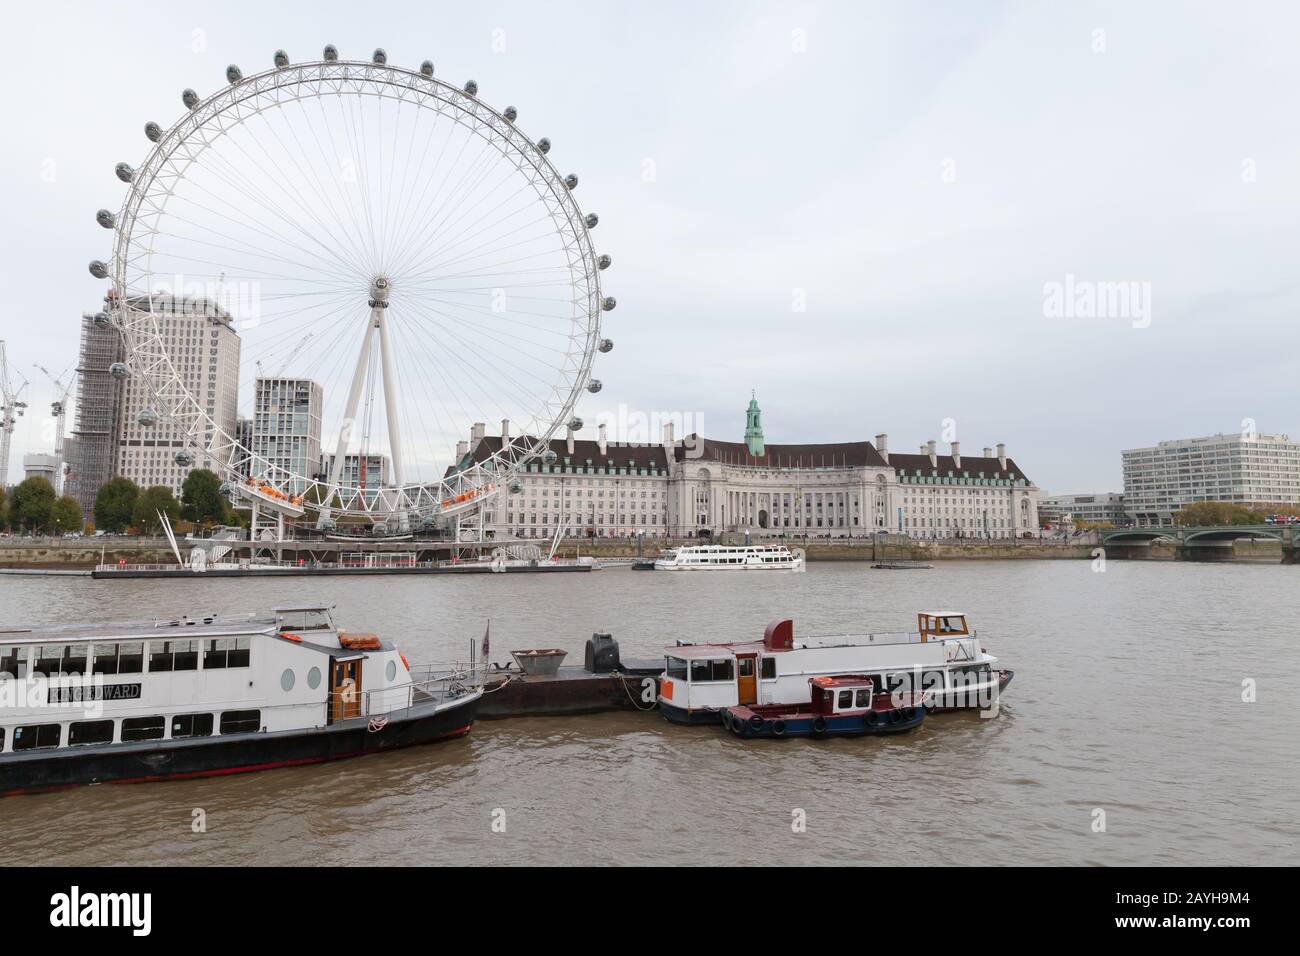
{"points": [[1126, 711]]}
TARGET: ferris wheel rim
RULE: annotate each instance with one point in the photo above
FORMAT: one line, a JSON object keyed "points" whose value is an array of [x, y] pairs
{"points": [[261, 92]]}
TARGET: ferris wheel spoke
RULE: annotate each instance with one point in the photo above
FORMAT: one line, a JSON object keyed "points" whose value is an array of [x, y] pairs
{"points": [[316, 183], [261, 256], [464, 189], [408, 217], [215, 167], [352, 222], [292, 338], [422, 209], [467, 256], [448, 241], [424, 219], [280, 176], [246, 224], [448, 330], [355, 139], [458, 381]]}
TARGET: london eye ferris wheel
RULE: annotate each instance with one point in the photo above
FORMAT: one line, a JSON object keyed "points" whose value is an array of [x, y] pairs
{"points": [[385, 234]]}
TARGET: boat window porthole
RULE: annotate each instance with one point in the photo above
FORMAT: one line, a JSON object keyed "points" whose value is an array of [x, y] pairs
{"points": [[286, 679], [391, 670], [313, 678]]}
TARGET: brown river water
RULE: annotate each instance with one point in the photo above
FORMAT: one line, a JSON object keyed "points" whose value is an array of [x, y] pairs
{"points": [[1127, 699]]}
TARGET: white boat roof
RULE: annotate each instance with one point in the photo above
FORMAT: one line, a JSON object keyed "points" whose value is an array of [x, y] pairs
{"points": [[212, 625], [944, 613]]}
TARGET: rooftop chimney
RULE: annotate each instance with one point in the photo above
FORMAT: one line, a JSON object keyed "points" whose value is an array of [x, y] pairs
{"points": [[462, 449], [988, 452], [1002, 456], [568, 440], [882, 446], [600, 441], [956, 454], [930, 449], [477, 432], [668, 433], [505, 432]]}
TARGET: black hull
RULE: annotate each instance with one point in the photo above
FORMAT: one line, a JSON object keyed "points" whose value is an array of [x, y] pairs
{"points": [[222, 755]]}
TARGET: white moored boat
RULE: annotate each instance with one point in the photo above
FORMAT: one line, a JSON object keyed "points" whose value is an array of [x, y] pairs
{"points": [[717, 557], [158, 700], [942, 659]]}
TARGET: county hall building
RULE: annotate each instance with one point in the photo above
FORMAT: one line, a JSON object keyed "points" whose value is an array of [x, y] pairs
{"points": [[700, 487]]}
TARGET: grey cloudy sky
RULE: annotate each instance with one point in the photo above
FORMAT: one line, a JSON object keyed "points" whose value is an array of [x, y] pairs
{"points": [[913, 172]]}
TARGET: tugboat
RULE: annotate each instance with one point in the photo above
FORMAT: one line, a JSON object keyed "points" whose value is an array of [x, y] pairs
{"points": [[943, 658], [846, 706], [183, 698]]}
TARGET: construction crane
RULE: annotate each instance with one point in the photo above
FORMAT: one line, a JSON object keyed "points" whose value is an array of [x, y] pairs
{"points": [[11, 409], [59, 411]]}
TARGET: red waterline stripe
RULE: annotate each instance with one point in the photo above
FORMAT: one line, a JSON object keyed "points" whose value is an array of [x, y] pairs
{"points": [[227, 771]]}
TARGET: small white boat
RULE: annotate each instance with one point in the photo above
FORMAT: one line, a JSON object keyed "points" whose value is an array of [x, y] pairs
{"points": [[717, 557]]}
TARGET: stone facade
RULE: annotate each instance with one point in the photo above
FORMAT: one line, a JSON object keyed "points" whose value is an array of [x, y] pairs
{"points": [[699, 487]]}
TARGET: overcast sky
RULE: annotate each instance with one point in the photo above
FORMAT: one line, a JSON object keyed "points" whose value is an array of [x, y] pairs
{"points": [[854, 208]]}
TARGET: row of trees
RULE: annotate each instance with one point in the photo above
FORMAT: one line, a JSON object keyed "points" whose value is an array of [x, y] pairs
{"points": [[120, 505], [34, 506], [1221, 513]]}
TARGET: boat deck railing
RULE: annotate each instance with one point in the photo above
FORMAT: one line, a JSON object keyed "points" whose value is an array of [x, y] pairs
{"points": [[429, 683]]}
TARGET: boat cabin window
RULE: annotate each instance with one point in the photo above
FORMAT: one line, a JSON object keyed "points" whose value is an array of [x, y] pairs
{"points": [[241, 721], [37, 736], [124, 658], [54, 660], [173, 656], [90, 732], [768, 668], [703, 672], [305, 621], [864, 697], [192, 725], [226, 652], [143, 728], [746, 666], [846, 700], [676, 668], [13, 661]]}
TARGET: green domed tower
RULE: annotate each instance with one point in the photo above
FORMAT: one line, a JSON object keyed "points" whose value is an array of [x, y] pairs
{"points": [[754, 427]]}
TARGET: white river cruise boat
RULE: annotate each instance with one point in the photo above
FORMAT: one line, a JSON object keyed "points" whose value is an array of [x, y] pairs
{"points": [[943, 660], [717, 557], [158, 700]]}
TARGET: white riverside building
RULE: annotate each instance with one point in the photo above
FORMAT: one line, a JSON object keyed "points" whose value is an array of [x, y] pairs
{"points": [[1253, 470], [700, 487], [204, 351], [1098, 507]]}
